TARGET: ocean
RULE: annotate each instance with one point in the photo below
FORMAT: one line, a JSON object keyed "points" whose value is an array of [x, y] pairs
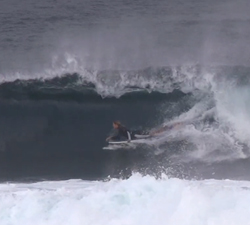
{"points": [[69, 68]]}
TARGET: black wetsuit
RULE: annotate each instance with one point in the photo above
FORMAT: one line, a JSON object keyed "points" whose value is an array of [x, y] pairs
{"points": [[122, 133]]}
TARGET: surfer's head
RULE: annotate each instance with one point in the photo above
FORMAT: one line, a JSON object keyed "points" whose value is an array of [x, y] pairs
{"points": [[116, 124]]}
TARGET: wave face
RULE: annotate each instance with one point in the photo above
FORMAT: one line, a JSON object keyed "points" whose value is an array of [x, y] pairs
{"points": [[136, 200], [57, 127]]}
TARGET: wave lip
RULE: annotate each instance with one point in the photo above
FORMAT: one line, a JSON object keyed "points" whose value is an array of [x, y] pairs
{"points": [[65, 88], [105, 83], [115, 83]]}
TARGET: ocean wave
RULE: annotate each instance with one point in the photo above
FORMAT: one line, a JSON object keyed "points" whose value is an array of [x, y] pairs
{"points": [[116, 83], [65, 88], [210, 102]]}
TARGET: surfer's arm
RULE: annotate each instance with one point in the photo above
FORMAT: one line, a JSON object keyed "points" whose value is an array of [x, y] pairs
{"points": [[113, 136], [109, 138]]}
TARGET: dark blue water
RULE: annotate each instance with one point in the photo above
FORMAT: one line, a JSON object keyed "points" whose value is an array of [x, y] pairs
{"points": [[69, 68]]}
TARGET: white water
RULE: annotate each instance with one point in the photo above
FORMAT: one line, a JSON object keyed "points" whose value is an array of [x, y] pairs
{"points": [[138, 200], [224, 99]]}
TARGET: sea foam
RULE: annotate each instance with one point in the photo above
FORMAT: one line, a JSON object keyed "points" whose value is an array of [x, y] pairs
{"points": [[138, 200]]}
